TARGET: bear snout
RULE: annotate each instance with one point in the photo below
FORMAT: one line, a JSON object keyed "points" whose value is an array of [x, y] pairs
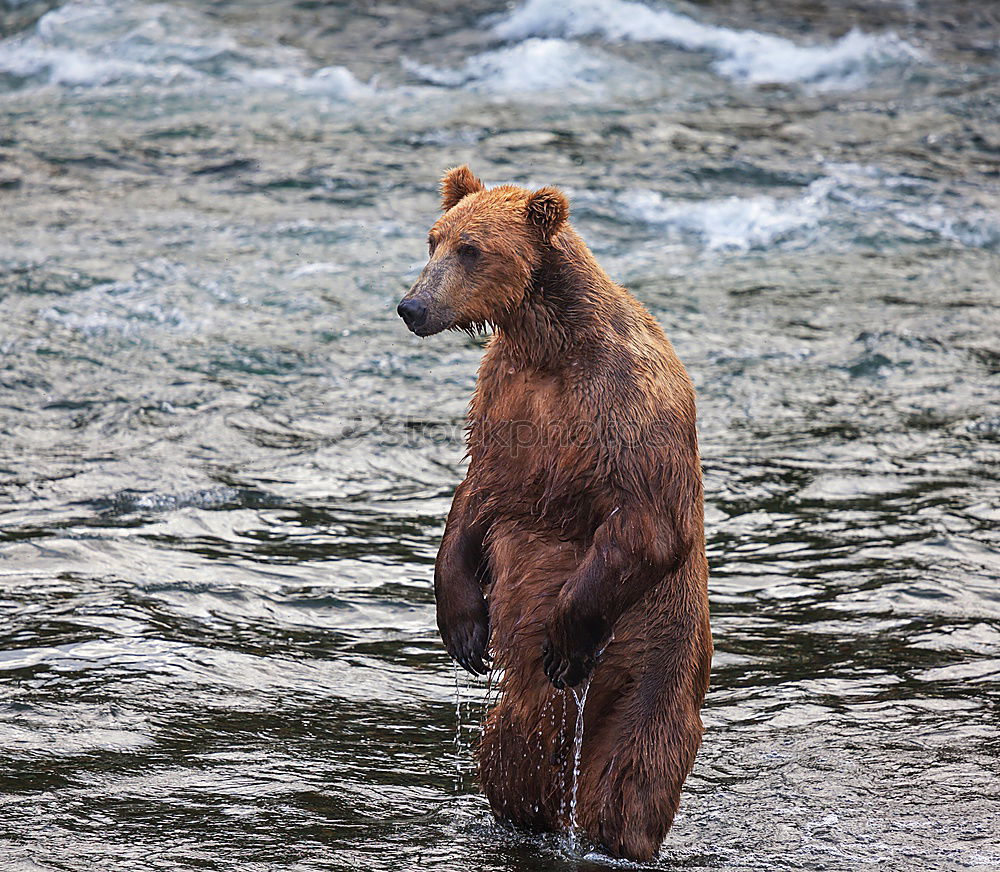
{"points": [[413, 311]]}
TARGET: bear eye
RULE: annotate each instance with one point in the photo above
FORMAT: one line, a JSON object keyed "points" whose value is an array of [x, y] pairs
{"points": [[431, 244], [467, 252]]}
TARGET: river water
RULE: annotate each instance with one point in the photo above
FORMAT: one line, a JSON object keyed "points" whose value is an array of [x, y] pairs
{"points": [[225, 464]]}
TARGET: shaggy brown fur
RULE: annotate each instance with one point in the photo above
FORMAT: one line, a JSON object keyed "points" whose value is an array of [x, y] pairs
{"points": [[579, 526]]}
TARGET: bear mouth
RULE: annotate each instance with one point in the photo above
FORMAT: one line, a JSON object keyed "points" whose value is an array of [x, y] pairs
{"points": [[432, 323], [423, 330]]}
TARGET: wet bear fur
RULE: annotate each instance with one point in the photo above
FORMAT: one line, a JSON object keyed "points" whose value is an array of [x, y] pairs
{"points": [[574, 549]]}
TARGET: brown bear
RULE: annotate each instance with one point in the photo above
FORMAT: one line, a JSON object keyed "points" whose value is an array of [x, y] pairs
{"points": [[574, 549]]}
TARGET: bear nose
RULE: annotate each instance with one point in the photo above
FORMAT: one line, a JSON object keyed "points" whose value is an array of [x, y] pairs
{"points": [[413, 312]]}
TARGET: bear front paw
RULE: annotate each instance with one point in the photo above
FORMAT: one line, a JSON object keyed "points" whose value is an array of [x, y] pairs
{"points": [[566, 668], [466, 636], [571, 647]]}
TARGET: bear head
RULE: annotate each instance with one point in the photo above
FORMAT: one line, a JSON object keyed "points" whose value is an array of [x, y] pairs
{"points": [[484, 250]]}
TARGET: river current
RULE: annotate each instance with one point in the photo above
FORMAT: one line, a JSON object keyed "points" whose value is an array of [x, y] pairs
{"points": [[225, 464]]}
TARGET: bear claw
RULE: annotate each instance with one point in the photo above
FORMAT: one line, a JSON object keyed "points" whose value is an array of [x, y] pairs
{"points": [[471, 653], [565, 671]]}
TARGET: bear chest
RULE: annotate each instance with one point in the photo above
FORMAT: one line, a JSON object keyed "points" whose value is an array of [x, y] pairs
{"points": [[535, 446]]}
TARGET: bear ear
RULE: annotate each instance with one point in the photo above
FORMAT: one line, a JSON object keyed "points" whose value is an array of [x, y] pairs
{"points": [[548, 209], [457, 183]]}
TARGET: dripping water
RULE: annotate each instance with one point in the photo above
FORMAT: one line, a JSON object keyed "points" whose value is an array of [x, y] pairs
{"points": [[580, 695], [562, 744], [461, 691], [459, 779]]}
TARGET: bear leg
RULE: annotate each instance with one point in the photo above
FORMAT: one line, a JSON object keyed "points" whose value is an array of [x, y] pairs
{"points": [[634, 768], [522, 758]]}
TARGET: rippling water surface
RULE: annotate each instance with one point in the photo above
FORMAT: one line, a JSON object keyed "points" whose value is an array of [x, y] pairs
{"points": [[225, 465]]}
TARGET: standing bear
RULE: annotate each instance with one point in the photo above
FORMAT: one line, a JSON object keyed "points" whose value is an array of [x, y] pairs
{"points": [[574, 550]]}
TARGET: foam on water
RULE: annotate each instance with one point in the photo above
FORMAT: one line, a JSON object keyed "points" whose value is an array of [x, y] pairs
{"points": [[533, 65], [734, 222], [112, 42], [743, 55], [975, 228], [335, 82], [852, 201]]}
